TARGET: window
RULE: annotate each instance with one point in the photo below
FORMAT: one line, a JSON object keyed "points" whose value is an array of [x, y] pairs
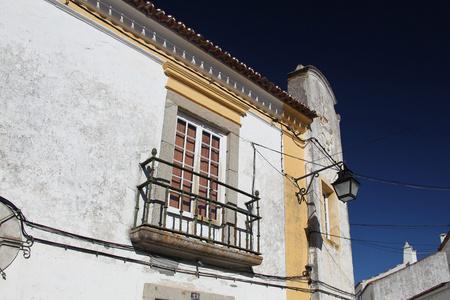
{"points": [[197, 148], [330, 214], [190, 194], [326, 216]]}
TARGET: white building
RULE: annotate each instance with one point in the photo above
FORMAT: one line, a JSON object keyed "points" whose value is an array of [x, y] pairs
{"points": [[146, 163], [428, 278]]}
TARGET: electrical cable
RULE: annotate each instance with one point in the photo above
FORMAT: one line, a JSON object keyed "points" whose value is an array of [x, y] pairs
{"points": [[376, 244], [161, 266], [112, 245], [287, 176], [282, 174], [395, 133], [361, 240], [398, 225], [389, 135], [386, 181], [79, 237], [175, 270], [411, 185], [333, 288], [319, 146], [196, 273], [343, 274]]}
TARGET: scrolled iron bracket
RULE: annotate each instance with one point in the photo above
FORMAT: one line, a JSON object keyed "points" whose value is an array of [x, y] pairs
{"points": [[26, 247], [303, 192]]}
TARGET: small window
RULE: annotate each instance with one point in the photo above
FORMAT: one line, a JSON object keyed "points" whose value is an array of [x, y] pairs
{"points": [[330, 215]]}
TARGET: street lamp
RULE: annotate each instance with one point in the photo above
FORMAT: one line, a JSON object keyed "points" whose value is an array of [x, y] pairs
{"points": [[346, 186]]}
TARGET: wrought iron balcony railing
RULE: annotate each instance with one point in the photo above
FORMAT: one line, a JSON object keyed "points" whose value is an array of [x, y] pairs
{"points": [[183, 211]]}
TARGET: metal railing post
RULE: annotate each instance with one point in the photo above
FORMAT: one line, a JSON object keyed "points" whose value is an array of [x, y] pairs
{"points": [[210, 208], [136, 208], [152, 172], [166, 205], [257, 213], [196, 215]]}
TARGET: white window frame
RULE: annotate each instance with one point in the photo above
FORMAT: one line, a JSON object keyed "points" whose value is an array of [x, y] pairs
{"points": [[197, 155], [326, 215]]}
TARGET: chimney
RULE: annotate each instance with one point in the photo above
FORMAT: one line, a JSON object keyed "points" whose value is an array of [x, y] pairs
{"points": [[409, 255], [442, 236]]}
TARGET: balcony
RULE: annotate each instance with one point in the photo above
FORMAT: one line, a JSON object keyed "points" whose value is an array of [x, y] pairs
{"points": [[188, 224]]}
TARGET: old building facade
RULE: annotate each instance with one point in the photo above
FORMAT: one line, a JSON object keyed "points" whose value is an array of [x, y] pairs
{"points": [[146, 163]]}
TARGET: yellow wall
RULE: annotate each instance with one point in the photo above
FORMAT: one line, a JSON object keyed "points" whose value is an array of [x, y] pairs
{"points": [[198, 89], [297, 251]]}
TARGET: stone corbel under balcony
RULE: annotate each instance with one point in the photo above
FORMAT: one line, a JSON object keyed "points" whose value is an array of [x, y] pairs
{"points": [[153, 240]]}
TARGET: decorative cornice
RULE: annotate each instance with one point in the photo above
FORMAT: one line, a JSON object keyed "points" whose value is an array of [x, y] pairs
{"points": [[225, 57]]}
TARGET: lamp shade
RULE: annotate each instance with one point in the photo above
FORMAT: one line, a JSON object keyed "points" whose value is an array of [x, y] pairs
{"points": [[346, 186]]}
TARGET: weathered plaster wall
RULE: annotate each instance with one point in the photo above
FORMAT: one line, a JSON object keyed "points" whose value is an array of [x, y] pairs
{"points": [[332, 258], [260, 168], [79, 110], [413, 279], [77, 115]]}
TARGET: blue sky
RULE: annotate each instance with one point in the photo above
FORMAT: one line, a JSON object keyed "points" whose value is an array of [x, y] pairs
{"points": [[387, 62]]}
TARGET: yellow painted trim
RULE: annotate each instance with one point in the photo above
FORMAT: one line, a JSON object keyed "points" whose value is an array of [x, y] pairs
{"points": [[296, 219], [295, 119], [198, 89], [290, 116], [114, 27]]}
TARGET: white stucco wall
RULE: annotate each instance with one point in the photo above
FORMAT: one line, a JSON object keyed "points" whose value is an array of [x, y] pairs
{"points": [[76, 115], [270, 183], [79, 109], [412, 280], [360, 286]]}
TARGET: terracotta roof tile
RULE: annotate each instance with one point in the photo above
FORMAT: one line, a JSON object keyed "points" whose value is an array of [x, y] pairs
{"points": [[159, 15]]}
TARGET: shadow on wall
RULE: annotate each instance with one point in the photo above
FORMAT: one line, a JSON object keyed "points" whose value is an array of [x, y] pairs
{"points": [[313, 233]]}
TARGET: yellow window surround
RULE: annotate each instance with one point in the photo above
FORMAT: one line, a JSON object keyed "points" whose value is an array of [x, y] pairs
{"points": [[195, 87]]}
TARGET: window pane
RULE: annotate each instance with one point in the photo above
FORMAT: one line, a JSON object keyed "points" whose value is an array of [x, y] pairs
{"points": [[181, 126], [189, 159], [216, 142], [214, 169], [190, 144], [206, 137], [203, 191], [215, 155], [205, 151], [191, 130], [179, 140], [204, 167], [202, 208], [178, 155], [174, 200], [176, 172], [186, 203]]}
